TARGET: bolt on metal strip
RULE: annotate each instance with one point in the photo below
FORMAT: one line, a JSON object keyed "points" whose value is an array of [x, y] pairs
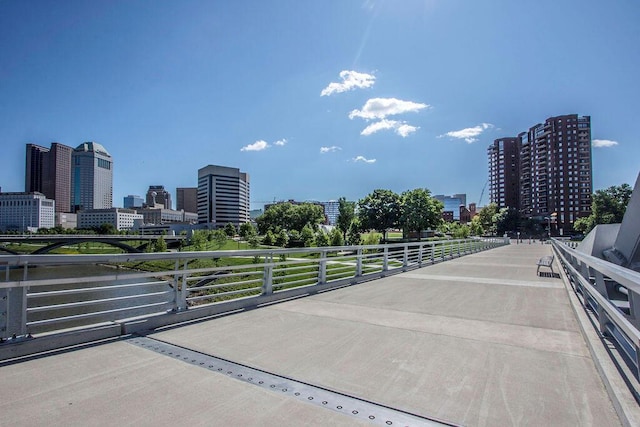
{"points": [[344, 404]]}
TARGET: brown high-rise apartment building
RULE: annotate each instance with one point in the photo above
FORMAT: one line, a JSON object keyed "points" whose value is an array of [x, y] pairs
{"points": [[504, 179], [187, 199], [554, 171], [48, 170]]}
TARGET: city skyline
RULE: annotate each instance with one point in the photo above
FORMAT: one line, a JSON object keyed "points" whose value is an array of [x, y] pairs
{"points": [[314, 101]]}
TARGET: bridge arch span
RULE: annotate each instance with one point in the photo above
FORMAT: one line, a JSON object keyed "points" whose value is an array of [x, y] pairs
{"points": [[52, 246]]}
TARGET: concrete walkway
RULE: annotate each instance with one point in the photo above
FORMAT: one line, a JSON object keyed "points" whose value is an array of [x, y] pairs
{"points": [[478, 341]]}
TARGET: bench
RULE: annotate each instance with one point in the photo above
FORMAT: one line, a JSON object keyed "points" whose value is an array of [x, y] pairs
{"points": [[545, 261]]}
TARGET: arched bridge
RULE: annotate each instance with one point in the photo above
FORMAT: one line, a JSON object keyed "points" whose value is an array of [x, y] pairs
{"points": [[55, 241]]}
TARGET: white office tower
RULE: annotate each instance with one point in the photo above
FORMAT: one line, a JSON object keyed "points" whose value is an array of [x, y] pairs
{"points": [[92, 177]]}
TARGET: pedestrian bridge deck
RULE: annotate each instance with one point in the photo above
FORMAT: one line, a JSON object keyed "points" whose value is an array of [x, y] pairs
{"points": [[479, 340]]}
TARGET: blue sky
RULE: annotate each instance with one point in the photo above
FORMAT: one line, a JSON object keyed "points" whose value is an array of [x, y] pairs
{"points": [[315, 100]]}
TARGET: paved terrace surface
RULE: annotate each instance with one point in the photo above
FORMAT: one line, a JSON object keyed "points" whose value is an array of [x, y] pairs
{"points": [[479, 341]]}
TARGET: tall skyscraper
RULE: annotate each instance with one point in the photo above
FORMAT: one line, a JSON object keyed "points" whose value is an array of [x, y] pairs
{"points": [[49, 171], [554, 171], [223, 196], [504, 179], [187, 199], [92, 179], [157, 195]]}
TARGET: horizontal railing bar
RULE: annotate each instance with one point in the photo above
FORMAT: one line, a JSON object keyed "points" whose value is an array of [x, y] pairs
{"points": [[222, 294], [612, 311], [96, 289], [293, 283], [97, 313], [223, 285], [218, 276], [87, 303]]}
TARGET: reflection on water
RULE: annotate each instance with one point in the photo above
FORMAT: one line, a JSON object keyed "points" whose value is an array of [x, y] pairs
{"points": [[42, 296]]}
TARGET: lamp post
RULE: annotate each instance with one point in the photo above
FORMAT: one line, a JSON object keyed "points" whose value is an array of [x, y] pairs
{"points": [[549, 224]]}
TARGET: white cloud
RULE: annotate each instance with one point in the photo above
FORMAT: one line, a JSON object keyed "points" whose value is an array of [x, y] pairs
{"points": [[599, 143], [261, 145], [468, 134], [404, 130], [401, 128], [378, 126], [331, 149], [256, 146], [350, 80], [379, 108], [363, 159]]}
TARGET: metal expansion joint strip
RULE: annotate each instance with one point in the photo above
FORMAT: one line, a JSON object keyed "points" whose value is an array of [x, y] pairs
{"points": [[344, 404]]}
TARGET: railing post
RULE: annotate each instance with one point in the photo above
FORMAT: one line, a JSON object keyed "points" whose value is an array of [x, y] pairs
{"points": [[459, 243], [181, 293], [359, 262], [420, 246], [322, 268], [385, 259], [405, 257], [433, 253], [267, 279]]}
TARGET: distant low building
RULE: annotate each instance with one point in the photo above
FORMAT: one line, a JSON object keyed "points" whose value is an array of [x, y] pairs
{"points": [[120, 218], [25, 212], [133, 202], [158, 216], [467, 214]]}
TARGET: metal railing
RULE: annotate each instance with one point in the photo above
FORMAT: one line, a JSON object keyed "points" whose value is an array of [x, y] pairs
{"points": [[43, 294], [611, 293]]}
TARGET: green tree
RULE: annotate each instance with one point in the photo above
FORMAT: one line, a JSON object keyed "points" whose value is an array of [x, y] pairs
{"points": [[107, 229], [219, 238], [335, 237], [306, 235], [322, 239], [487, 218], [420, 211], [275, 217], [607, 207], [198, 239], [253, 241], [475, 228], [346, 214], [160, 245], [506, 220], [380, 210], [353, 235], [306, 213], [282, 238], [246, 230], [230, 229], [269, 239], [294, 239], [290, 217]]}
